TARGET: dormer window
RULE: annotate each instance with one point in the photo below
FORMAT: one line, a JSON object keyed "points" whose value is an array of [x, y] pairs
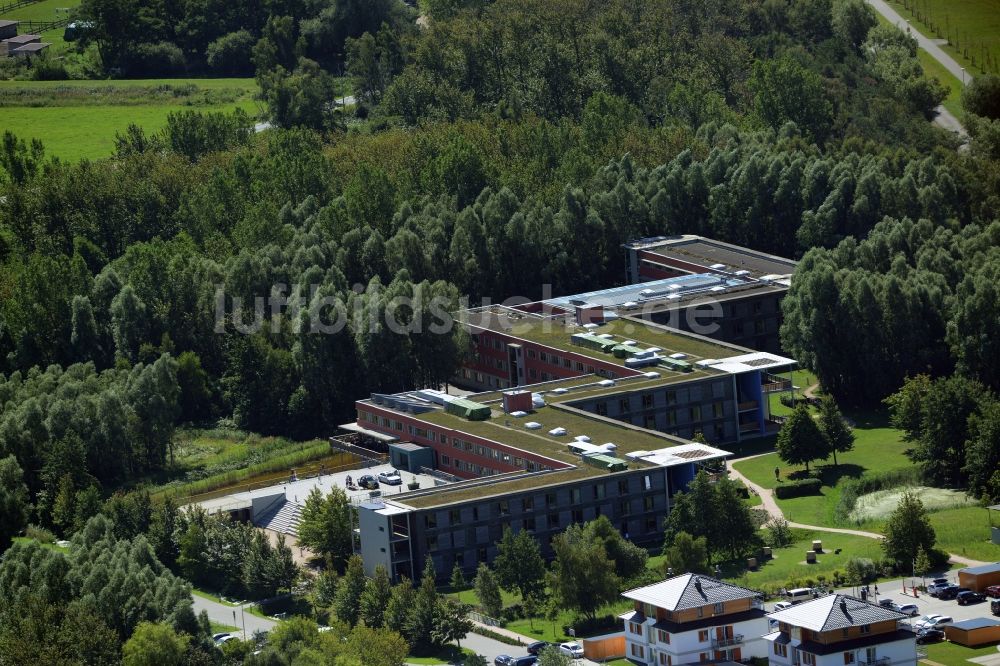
{"points": [[719, 608]]}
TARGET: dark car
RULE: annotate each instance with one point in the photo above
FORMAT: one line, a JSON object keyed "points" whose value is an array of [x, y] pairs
{"points": [[992, 591], [995, 607], [886, 602], [529, 660], [966, 597], [949, 592], [368, 482], [537, 647], [503, 660], [929, 636]]}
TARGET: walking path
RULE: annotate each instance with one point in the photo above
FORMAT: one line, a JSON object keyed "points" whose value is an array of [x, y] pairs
{"points": [[771, 506], [944, 117]]}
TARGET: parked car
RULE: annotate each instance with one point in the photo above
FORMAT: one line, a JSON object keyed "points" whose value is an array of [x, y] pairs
{"points": [[368, 482], [390, 478], [572, 649], [886, 602], [930, 635], [503, 660], [782, 605], [966, 597], [937, 585], [993, 591], [536, 647], [995, 607], [527, 660], [219, 637], [948, 593], [906, 609], [939, 622], [926, 621]]}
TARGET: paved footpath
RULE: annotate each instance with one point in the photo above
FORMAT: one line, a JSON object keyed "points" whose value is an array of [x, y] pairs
{"points": [[944, 118], [771, 506], [223, 614]]}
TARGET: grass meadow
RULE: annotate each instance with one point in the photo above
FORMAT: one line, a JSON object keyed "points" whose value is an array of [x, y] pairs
{"points": [[972, 28], [79, 119]]}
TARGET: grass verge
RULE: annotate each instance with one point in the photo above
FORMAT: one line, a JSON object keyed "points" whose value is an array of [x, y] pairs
{"points": [[449, 654]]}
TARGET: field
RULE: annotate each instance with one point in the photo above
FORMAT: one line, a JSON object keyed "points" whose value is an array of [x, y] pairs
{"points": [[79, 119], [878, 505], [878, 447], [972, 28], [39, 11], [965, 531]]}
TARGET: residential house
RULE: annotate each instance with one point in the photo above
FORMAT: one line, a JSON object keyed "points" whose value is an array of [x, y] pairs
{"points": [[839, 630], [694, 619]]}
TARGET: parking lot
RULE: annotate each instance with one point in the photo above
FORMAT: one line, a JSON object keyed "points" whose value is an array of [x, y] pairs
{"points": [[297, 491], [926, 604]]}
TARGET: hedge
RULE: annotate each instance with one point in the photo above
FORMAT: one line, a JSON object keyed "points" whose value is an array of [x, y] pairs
{"points": [[798, 488]]}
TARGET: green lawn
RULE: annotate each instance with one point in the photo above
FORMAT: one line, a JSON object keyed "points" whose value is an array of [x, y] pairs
{"points": [[218, 628], [951, 654], [74, 133], [50, 546], [972, 25], [965, 531], [934, 70], [40, 11], [246, 84], [787, 568], [211, 597]]}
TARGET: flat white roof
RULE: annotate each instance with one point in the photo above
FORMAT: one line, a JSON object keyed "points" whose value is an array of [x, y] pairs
{"points": [[747, 362], [678, 455]]}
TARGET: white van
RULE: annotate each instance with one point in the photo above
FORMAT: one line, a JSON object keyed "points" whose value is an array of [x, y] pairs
{"points": [[799, 594]]}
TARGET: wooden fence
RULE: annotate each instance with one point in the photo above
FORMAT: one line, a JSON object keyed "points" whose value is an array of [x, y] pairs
{"points": [[11, 6]]}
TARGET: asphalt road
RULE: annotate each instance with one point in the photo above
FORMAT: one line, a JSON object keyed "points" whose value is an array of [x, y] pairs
{"points": [[231, 615]]}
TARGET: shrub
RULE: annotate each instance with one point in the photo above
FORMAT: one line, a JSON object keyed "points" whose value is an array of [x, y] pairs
{"points": [[49, 69], [39, 534], [230, 54], [798, 488], [495, 635], [590, 627], [861, 570], [157, 58]]}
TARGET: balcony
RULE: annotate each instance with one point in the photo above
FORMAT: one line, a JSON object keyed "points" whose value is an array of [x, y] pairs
{"points": [[718, 643], [747, 406], [749, 427], [881, 661]]}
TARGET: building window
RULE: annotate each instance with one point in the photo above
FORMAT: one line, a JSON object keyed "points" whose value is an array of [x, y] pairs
{"points": [[602, 409], [696, 413], [481, 554], [702, 633], [542, 356], [529, 524], [553, 521], [623, 405], [432, 542], [781, 649], [445, 461], [430, 521], [848, 657], [599, 491], [663, 636], [528, 503], [672, 417], [577, 515], [623, 486], [719, 609], [809, 659], [717, 410], [665, 659], [638, 651], [866, 629], [647, 502], [635, 628], [647, 482], [647, 401], [650, 524], [455, 517], [504, 508], [575, 495], [671, 397], [550, 500], [649, 422], [624, 507]]}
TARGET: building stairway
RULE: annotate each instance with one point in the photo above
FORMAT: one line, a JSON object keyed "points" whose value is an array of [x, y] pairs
{"points": [[283, 518]]}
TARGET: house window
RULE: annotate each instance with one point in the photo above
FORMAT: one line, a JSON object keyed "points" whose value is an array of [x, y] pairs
{"points": [[635, 628], [623, 487], [650, 524], [602, 409], [647, 400], [430, 521], [663, 636], [638, 651], [649, 422], [599, 491], [848, 657], [665, 659], [575, 495], [717, 410], [696, 413], [623, 405], [702, 633], [719, 609], [432, 542], [781, 649], [672, 418], [647, 502], [529, 503], [703, 656], [550, 499], [577, 516], [866, 629], [455, 517], [809, 659], [504, 508], [445, 461], [529, 524], [553, 521]]}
